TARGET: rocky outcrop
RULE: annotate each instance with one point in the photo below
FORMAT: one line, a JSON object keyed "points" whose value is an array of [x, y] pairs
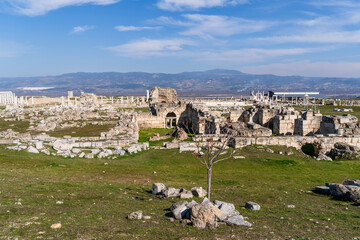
{"points": [[347, 190], [180, 134], [344, 151]]}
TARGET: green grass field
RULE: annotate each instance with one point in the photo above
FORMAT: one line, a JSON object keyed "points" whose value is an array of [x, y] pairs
{"points": [[145, 133], [87, 131], [17, 126], [328, 110], [97, 196]]}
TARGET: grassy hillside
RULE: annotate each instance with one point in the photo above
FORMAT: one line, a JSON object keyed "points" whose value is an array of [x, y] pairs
{"points": [[98, 194]]}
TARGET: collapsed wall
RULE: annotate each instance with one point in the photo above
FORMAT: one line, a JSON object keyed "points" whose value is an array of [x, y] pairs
{"points": [[322, 144]]}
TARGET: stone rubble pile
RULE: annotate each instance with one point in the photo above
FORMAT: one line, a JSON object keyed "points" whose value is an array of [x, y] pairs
{"points": [[162, 190], [157, 137], [344, 151], [69, 148], [204, 214], [348, 190], [208, 214]]}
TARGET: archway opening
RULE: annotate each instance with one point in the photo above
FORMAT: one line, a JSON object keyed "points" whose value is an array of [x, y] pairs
{"points": [[170, 120], [308, 149]]}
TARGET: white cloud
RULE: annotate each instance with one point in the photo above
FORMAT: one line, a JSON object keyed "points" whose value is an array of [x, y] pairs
{"points": [[134, 28], [335, 3], [253, 55], [309, 69], [179, 5], [318, 37], [151, 47], [209, 26], [40, 7], [80, 29], [214, 25]]}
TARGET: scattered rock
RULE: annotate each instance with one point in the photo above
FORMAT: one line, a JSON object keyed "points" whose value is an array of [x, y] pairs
{"points": [[237, 221], [157, 188], [186, 194], [344, 151], [322, 189], [324, 158], [191, 204], [181, 212], [252, 206], [178, 204], [56, 226], [171, 192], [198, 192], [269, 150], [31, 149], [180, 134], [202, 214], [39, 145], [227, 208], [135, 215]]}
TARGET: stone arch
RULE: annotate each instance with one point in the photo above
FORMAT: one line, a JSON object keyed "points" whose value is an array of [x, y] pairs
{"points": [[170, 120], [317, 146]]}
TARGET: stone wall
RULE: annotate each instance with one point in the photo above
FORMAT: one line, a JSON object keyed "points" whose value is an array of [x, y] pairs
{"points": [[321, 143], [344, 125], [147, 120], [309, 123], [163, 95], [285, 124]]}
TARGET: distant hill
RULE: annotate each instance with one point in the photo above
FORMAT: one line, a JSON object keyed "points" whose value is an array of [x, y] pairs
{"points": [[207, 83]]}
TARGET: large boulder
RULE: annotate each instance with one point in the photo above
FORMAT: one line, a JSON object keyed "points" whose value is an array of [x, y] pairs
{"points": [[203, 214], [180, 134], [39, 145], [198, 192], [171, 192], [186, 194], [178, 204], [237, 221], [181, 212], [353, 194], [157, 188], [227, 208], [135, 215], [338, 190], [62, 145], [31, 149], [252, 206], [344, 151]]}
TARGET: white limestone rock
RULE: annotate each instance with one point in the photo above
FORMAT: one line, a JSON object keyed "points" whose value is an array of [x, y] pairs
{"points": [[39, 145], [237, 221], [31, 149], [252, 206], [157, 188], [181, 212], [198, 192], [135, 215]]}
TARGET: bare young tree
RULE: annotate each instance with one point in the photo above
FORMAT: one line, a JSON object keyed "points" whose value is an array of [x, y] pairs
{"points": [[212, 152]]}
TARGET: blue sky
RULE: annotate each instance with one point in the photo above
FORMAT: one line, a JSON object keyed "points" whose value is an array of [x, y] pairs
{"points": [[284, 37]]}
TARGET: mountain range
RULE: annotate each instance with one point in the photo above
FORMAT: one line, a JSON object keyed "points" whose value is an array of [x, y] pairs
{"points": [[218, 82]]}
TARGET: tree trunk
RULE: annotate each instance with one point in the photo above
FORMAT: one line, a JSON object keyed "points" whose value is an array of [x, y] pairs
{"points": [[209, 183]]}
